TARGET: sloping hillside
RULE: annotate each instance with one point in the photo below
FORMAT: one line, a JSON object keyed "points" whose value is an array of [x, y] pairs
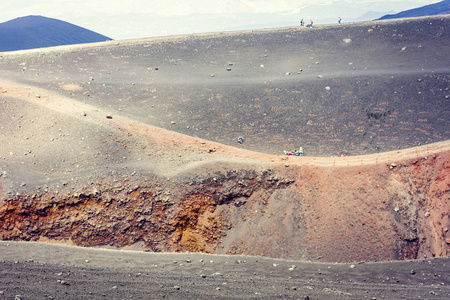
{"points": [[440, 8], [39, 32], [333, 90]]}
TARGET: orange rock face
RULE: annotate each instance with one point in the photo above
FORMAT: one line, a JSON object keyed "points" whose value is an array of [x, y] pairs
{"points": [[360, 213]]}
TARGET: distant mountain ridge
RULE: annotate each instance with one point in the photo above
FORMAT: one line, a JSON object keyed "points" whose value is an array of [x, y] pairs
{"points": [[440, 8], [38, 32]]}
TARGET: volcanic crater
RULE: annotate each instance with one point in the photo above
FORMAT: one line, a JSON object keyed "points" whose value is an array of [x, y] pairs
{"points": [[132, 144]]}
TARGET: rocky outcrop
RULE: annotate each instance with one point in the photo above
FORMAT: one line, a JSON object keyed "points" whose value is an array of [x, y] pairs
{"points": [[365, 213], [166, 216]]}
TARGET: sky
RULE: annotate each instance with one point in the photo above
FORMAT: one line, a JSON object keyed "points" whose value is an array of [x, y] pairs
{"points": [[129, 19]]}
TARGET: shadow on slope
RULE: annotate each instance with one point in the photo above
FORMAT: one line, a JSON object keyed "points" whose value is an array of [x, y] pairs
{"points": [[440, 8], [39, 32]]}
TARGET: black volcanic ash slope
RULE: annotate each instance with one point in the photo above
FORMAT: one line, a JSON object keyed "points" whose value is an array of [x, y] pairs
{"points": [[333, 90], [39, 32], [440, 8]]}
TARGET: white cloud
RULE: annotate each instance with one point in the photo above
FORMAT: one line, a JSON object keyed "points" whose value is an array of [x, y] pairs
{"points": [[83, 8], [192, 7]]}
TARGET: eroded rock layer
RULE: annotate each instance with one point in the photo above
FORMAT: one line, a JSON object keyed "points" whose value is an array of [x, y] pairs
{"points": [[377, 212]]}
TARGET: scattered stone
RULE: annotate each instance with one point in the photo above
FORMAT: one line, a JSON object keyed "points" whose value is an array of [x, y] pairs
{"points": [[86, 260], [228, 69], [327, 88], [447, 240], [419, 80], [262, 66], [347, 41], [427, 214], [173, 123], [188, 261], [320, 76], [176, 287], [391, 166], [412, 272], [396, 209], [352, 266], [218, 288], [108, 116], [293, 288], [288, 73], [203, 275]]}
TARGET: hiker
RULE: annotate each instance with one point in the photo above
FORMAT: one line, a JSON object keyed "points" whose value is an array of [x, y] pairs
{"points": [[339, 21], [302, 23], [298, 152], [311, 24], [240, 140]]}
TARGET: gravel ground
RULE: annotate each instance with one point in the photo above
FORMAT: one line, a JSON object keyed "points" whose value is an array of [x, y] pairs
{"points": [[47, 271]]}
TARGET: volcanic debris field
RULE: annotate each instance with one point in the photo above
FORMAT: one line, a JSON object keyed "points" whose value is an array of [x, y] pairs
{"points": [[132, 145]]}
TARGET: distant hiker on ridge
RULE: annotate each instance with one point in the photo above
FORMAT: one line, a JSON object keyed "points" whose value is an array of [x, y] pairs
{"points": [[302, 23], [339, 21], [311, 23]]}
